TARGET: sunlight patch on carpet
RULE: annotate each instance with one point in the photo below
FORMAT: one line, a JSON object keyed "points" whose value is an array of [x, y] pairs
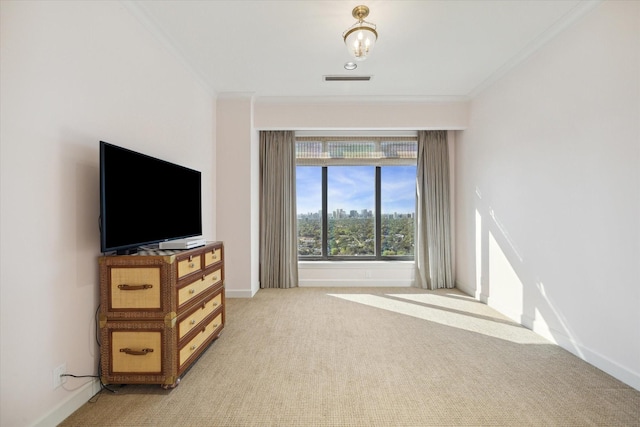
{"points": [[443, 315]]}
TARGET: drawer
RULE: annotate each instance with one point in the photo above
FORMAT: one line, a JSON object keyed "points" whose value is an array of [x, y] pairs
{"points": [[189, 265], [135, 288], [193, 289], [192, 321], [136, 352], [212, 256], [199, 340]]}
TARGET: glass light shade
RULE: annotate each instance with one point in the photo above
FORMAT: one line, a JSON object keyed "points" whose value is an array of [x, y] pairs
{"points": [[360, 40]]}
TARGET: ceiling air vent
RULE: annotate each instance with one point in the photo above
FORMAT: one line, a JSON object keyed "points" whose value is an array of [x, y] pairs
{"points": [[346, 78]]}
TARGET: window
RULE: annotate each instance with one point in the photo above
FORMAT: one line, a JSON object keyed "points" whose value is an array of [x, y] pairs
{"points": [[351, 201], [356, 198]]}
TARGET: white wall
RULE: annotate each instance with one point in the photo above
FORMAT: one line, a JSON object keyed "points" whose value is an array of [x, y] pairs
{"points": [[73, 73], [237, 169], [308, 114], [548, 197]]}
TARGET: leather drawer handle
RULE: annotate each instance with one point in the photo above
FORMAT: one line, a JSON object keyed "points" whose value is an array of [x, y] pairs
{"points": [[136, 352], [134, 287]]}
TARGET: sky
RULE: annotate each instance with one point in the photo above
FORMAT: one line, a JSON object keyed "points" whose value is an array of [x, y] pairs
{"points": [[353, 188]]}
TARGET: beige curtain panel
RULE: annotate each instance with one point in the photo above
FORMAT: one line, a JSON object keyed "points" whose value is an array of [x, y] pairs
{"points": [[278, 225], [433, 230]]}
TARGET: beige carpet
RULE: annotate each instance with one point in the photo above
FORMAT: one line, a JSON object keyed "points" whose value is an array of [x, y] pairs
{"points": [[373, 357]]}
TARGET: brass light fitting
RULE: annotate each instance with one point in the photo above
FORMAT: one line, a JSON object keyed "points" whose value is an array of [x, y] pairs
{"points": [[361, 37]]}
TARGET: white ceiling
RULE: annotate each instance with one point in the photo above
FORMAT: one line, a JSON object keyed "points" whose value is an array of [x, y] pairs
{"points": [[446, 50]]}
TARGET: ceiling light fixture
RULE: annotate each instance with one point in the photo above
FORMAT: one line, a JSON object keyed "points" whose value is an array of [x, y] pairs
{"points": [[361, 36], [350, 66]]}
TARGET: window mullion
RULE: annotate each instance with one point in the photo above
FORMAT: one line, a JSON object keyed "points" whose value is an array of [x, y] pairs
{"points": [[325, 215], [378, 215]]}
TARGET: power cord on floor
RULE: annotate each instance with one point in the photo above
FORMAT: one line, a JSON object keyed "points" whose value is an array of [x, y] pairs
{"points": [[79, 376], [103, 386]]}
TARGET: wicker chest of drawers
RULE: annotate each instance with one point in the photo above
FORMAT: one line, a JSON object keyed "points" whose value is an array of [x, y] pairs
{"points": [[158, 313]]}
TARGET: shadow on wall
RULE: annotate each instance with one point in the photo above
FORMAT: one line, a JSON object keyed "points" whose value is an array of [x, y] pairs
{"points": [[504, 280]]}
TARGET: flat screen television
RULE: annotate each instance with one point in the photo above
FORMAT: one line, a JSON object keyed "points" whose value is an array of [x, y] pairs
{"points": [[145, 200]]}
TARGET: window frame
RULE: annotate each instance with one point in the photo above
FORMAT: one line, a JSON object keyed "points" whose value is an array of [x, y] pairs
{"points": [[378, 163]]}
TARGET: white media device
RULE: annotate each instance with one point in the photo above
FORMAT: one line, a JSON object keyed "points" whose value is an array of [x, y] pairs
{"points": [[190, 243]]}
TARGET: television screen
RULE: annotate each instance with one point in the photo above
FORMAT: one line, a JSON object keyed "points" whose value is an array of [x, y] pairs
{"points": [[145, 200]]}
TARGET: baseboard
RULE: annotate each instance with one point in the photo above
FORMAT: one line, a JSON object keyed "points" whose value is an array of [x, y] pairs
{"points": [[68, 406], [594, 358], [472, 292], [516, 316], [622, 373], [239, 293], [354, 283]]}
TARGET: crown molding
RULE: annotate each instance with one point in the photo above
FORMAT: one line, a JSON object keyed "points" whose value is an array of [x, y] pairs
{"points": [[550, 33], [168, 42]]}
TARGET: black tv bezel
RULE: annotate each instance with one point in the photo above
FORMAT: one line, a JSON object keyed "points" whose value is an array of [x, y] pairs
{"points": [[133, 246]]}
